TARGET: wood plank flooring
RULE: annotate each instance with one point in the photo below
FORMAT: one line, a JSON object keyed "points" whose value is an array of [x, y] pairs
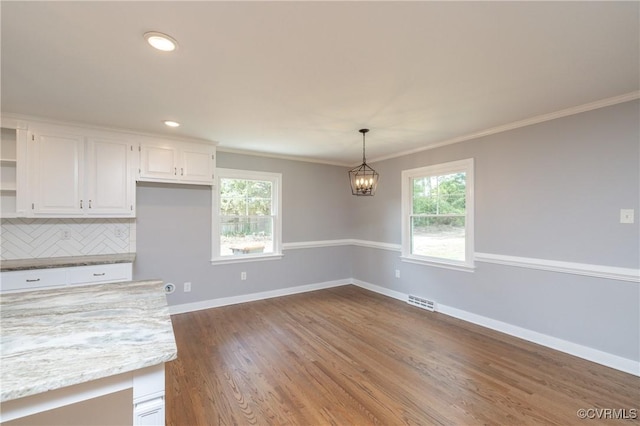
{"points": [[347, 356]]}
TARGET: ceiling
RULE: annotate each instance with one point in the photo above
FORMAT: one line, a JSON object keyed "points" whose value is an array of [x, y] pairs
{"points": [[300, 78]]}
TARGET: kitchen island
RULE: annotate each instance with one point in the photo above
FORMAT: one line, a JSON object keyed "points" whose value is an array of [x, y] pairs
{"points": [[62, 346]]}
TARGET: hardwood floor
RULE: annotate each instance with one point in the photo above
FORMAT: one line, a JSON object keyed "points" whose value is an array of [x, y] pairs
{"points": [[347, 356]]}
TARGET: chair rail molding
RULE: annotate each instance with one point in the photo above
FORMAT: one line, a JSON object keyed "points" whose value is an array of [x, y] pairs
{"points": [[586, 269], [560, 266]]}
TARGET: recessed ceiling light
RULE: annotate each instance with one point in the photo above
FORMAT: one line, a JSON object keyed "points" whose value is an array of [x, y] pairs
{"points": [[171, 123], [161, 41]]}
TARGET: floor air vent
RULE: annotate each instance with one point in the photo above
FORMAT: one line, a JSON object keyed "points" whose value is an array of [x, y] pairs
{"points": [[429, 305]]}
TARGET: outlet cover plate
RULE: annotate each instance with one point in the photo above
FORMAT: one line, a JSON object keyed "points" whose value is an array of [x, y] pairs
{"points": [[626, 216]]}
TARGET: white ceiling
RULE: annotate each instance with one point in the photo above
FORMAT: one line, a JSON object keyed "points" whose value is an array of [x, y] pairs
{"points": [[300, 78]]}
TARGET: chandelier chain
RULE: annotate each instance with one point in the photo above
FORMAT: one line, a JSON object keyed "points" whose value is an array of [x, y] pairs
{"points": [[364, 160]]}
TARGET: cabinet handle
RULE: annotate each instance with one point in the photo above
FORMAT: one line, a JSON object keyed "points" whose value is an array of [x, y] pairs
{"points": [[175, 171], [89, 203], [181, 171], [33, 281], [80, 203], [99, 275]]}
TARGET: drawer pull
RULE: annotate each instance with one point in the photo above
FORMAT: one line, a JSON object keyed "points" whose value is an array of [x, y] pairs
{"points": [[33, 281], [100, 275]]}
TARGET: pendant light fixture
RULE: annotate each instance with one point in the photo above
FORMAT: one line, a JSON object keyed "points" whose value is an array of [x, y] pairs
{"points": [[364, 179]]}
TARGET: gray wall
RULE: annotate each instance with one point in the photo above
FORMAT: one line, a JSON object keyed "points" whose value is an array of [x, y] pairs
{"points": [[552, 190], [174, 232], [548, 191], [314, 196]]}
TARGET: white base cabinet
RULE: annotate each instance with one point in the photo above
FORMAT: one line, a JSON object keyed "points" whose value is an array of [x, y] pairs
{"points": [[40, 279], [147, 384]]}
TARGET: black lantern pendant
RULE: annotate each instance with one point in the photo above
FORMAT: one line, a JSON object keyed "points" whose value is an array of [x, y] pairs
{"points": [[364, 180]]}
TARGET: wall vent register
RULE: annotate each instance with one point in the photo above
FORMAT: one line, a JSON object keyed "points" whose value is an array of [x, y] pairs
{"points": [[428, 305]]}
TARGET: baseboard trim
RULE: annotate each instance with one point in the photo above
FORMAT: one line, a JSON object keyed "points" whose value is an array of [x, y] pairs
{"points": [[580, 351], [251, 297], [380, 290], [590, 354]]}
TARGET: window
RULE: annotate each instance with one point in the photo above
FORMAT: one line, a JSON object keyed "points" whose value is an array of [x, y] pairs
{"points": [[437, 214], [246, 223]]}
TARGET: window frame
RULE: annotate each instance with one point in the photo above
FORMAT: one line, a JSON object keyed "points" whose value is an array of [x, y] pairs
{"points": [[276, 212], [461, 166]]}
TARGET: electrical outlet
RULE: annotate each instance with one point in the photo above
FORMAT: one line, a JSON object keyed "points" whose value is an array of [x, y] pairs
{"points": [[397, 273], [243, 276], [118, 233], [626, 216], [187, 287], [65, 235]]}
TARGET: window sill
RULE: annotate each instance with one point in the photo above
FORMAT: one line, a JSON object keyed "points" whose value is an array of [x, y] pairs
{"points": [[246, 258], [454, 266]]}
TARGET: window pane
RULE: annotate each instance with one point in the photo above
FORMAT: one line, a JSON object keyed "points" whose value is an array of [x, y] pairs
{"points": [[259, 206], [246, 235], [259, 189], [233, 187], [443, 194], [242, 197], [439, 236], [233, 206]]}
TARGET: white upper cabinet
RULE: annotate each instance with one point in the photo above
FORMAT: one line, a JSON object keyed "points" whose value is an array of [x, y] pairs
{"points": [[109, 176], [61, 170], [73, 175], [177, 162], [158, 162], [57, 168], [197, 164]]}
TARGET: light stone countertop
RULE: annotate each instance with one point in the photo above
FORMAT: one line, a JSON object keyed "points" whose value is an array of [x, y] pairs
{"points": [[65, 262], [60, 337]]}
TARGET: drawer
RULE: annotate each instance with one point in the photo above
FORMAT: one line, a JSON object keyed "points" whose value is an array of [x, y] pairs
{"points": [[100, 273], [33, 279]]}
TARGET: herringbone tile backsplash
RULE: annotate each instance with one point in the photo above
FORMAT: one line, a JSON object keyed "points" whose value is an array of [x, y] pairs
{"points": [[35, 238]]}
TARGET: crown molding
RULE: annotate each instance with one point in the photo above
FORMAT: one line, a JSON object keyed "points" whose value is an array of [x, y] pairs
{"points": [[602, 103], [14, 119], [23, 121], [280, 156]]}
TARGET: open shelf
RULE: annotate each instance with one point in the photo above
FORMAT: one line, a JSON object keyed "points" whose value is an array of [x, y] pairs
{"points": [[8, 172]]}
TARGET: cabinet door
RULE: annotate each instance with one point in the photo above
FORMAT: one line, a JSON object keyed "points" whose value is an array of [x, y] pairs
{"points": [[56, 174], [158, 162], [196, 165], [109, 182]]}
